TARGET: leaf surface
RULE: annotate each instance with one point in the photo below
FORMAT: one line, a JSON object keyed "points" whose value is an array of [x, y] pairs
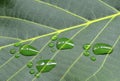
{"points": [[36, 21]]}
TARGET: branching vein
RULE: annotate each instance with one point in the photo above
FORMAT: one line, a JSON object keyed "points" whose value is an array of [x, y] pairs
{"points": [[108, 6], [40, 25], [59, 8]]}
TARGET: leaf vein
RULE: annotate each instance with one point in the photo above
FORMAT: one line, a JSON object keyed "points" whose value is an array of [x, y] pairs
{"points": [[78, 58], [28, 61], [54, 6], [10, 38], [15, 18], [109, 6], [102, 65], [66, 29]]}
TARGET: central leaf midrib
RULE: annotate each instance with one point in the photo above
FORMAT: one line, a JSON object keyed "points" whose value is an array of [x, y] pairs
{"points": [[66, 29]]}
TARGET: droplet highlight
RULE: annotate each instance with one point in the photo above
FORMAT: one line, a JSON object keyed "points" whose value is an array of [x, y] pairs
{"points": [[93, 58], [45, 65], [28, 50], [64, 43], [29, 64], [102, 49]]}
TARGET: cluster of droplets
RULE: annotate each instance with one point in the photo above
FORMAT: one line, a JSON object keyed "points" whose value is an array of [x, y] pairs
{"points": [[98, 49], [60, 43], [42, 66], [56, 43]]}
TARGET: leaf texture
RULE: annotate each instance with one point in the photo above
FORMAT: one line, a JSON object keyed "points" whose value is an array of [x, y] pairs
{"points": [[36, 21]]}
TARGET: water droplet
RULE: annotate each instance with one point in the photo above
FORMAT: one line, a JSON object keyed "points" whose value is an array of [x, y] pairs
{"points": [[102, 49], [93, 58], [37, 75], [29, 64], [53, 50], [51, 44], [86, 53], [17, 44], [64, 43], [45, 65], [12, 51], [54, 38], [86, 46], [28, 50], [17, 55], [32, 71]]}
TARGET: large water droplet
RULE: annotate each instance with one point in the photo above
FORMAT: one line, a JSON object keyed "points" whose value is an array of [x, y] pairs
{"points": [[45, 65], [29, 64], [102, 49], [64, 43], [28, 50]]}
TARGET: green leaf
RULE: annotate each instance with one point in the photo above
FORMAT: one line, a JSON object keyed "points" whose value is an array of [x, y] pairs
{"points": [[36, 21]]}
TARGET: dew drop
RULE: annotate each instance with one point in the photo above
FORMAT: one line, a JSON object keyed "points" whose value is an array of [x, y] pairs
{"points": [[28, 50], [102, 49], [86, 46], [29, 64], [86, 53], [93, 58], [54, 38], [32, 71], [17, 44], [51, 45], [37, 75], [64, 43], [12, 51], [53, 50], [17, 55], [45, 65]]}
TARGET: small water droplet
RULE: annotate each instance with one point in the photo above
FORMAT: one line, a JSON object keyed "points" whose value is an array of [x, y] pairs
{"points": [[48, 65], [53, 50], [54, 38], [17, 55], [28, 50], [17, 44], [12, 51], [37, 75], [51, 45], [102, 49], [29, 64], [93, 58], [32, 71], [64, 43], [86, 53], [86, 46]]}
